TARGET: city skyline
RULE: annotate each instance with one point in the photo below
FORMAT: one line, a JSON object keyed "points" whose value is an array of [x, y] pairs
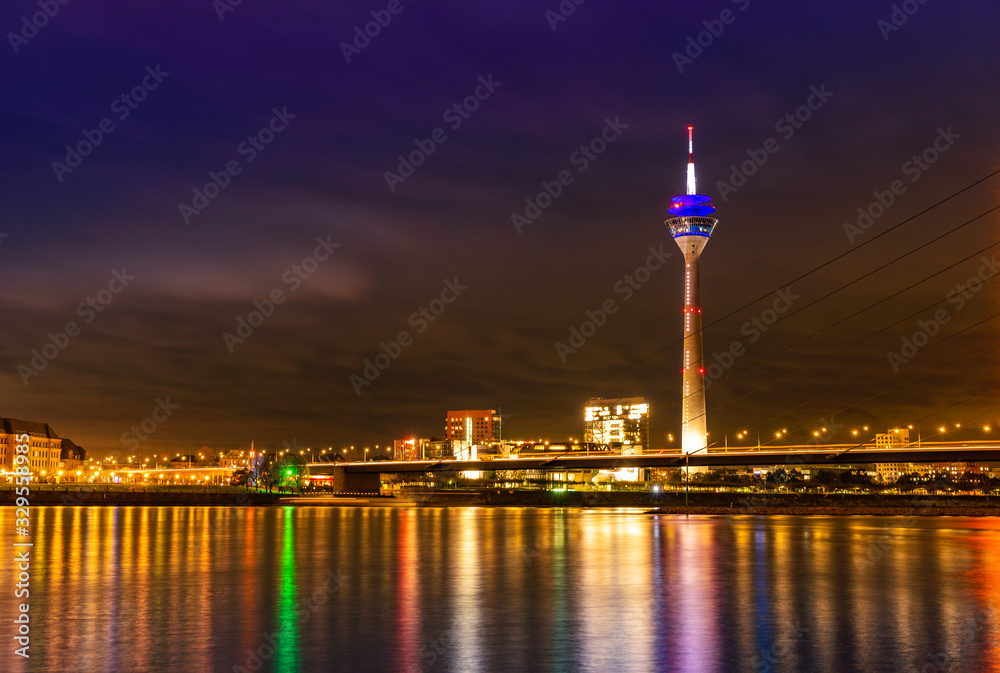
{"points": [[384, 335], [319, 244]]}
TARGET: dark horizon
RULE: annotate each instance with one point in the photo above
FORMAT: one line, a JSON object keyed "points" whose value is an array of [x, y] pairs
{"points": [[250, 162]]}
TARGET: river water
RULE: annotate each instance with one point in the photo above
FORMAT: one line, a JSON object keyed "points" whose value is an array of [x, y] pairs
{"points": [[437, 590]]}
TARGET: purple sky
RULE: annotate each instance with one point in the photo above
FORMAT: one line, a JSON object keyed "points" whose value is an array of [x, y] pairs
{"points": [[880, 93]]}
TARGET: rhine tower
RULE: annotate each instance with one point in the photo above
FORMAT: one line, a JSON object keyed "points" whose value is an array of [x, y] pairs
{"points": [[691, 228]]}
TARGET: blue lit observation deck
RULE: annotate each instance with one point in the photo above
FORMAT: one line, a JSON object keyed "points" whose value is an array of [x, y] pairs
{"points": [[691, 213]]}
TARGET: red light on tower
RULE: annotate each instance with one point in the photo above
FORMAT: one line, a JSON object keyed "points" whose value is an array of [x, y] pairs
{"points": [[691, 225]]}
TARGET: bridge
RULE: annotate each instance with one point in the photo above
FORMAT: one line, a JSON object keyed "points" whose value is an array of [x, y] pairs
{"points": [[364, 476]]}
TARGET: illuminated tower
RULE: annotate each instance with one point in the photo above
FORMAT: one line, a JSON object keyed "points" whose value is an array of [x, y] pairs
{"points": [[691, 227]]}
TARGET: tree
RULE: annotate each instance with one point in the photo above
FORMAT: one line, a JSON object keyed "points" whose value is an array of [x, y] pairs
{"points": [[822, 477], [242, 477], [286, 472]]}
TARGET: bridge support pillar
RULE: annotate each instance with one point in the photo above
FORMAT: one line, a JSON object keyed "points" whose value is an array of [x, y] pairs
{"points": [[369, 483]]}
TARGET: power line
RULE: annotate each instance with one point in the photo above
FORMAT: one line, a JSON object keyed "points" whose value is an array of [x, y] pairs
{"points": [[768, 294], [882, 392], [838, 322]]}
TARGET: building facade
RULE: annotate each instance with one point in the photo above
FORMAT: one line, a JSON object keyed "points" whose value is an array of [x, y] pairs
{"points": [[45, 446], [618, 423], [896, 438], [234, 458], [72, 459], [473, 426]]}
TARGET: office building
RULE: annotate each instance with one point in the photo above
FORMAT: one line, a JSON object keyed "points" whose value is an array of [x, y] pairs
{"points": [[474, 426], [617, 423]]}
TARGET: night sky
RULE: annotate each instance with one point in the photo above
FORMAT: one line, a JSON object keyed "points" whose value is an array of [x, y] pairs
{"points": [[169, 271]]}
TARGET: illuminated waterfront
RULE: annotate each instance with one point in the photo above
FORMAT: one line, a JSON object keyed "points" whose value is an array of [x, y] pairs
{"points": [[467, 589]]}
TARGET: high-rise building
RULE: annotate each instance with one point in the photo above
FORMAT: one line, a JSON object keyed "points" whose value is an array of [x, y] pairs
{"points": [[691, 228], [474, 426], [623, 422]]}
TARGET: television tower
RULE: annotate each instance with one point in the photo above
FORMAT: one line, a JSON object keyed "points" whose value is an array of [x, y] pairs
{"points": [[691, 228]]}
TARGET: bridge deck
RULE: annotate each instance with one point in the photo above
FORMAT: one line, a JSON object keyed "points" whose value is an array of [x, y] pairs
{"points": [[813, 456]]}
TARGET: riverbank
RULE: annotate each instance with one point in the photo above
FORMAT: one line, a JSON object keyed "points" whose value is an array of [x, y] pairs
{"points": [[674, 502], [831, 511], [112, 495], [669, 502]]}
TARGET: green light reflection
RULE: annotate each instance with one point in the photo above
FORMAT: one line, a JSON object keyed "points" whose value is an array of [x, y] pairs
{"points": [[287, 656]]}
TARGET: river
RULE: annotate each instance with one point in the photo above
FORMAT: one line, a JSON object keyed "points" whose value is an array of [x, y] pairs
{"points": [[441, 590]]}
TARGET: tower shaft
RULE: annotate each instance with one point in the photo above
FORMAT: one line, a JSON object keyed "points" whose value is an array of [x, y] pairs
{"points": [[691, 228], [693, 421]]}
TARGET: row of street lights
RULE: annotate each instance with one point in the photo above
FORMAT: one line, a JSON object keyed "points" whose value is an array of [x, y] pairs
{"points": [[312, 453], [778, 434]]}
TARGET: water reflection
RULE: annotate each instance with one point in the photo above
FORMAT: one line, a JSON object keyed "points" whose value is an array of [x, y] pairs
{"points": [[471, 589]]}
